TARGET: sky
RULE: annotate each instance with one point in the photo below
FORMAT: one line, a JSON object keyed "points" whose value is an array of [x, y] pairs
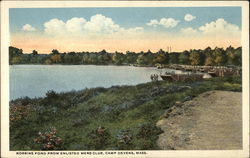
{"points": [[121, 29]]}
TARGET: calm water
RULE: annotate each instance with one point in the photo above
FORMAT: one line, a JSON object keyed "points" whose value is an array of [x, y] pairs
{"points": [[36, 80]]}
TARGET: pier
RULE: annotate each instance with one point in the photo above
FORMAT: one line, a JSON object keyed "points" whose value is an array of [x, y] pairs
{"points": [[199, 72]]}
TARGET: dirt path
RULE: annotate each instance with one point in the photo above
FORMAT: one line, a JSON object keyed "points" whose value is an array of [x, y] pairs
{"points": [[208, 122]]}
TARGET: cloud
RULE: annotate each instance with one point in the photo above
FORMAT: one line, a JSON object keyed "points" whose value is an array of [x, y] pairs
{"points": [[136, 29], [102, 24], [220, 26], [217, 28], [168, 22], [75, 25], [188, 30], [153, 22], [55, 26], [189, 17], [165, 22], [28, 27], [78, 26]]}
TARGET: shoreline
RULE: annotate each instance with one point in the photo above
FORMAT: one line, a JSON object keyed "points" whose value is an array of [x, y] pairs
{"points": [[81, 65], [120, 110]]}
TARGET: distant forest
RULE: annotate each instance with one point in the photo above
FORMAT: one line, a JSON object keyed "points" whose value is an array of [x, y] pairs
{"points": [[208, 56]]}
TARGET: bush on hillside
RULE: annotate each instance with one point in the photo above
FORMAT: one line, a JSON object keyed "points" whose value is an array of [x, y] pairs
{"points": [[125, 139], [99, 138], [48, 140]]}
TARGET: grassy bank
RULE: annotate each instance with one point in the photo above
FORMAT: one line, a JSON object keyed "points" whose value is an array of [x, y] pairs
{"points": [[120, 117]]}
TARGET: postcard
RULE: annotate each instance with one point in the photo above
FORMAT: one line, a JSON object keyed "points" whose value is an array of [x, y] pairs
{"points": [[124, 79]]}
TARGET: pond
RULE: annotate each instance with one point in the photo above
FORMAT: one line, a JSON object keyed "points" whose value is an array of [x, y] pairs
{"points": [[36, 80]]}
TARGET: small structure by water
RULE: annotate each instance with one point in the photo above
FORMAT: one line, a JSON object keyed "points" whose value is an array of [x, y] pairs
{"points": [[182, 77]]}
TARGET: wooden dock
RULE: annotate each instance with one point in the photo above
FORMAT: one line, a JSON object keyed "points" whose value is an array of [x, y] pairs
{"points": [[214, 71]]}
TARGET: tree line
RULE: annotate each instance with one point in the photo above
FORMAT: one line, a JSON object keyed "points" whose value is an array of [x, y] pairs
{"points": [[208, 57]]}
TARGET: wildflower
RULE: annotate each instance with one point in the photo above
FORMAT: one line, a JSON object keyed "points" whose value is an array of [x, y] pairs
{"points": [[48, 140]]}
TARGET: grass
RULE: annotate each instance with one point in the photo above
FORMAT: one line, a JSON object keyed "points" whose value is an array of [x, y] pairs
{"points": [[126, 114]]}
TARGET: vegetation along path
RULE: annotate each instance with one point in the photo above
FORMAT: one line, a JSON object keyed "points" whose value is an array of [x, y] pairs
{"points": [[210, 121]]}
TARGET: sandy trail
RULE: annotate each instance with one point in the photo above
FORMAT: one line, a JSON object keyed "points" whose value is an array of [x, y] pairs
{"points": [[211, 121]]}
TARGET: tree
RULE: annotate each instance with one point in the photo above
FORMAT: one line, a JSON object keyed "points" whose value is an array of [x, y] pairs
{"points": [[14, 52], [48, 61], [161, 58], [85, 59], [130, 57], [103, 51], [233, 56], [34, 52], [103, 57], [56, 58], [93, 58], [72, 58], [208, 56], [54, 51], [149, 52], [161, 51], [194, 58], [16, 60], [106, 58], [220, 56], [207, 50], [174, 58], [209, 61], [184, 58], [142, 59], [238, 56], [20, 51], [118, 58]]}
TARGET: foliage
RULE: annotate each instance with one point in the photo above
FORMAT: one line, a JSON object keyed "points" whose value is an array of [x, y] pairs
{"points": [[54, 52], [48, 61], [142, 59], [56, 58], [99, 138], [208, 56], [34, 52], [184, 58], [19, 112], [147, 135], [118, 58], [219, 56], [161, 57], [194, 58], [209, 61], [49, 140], [125, 140]]}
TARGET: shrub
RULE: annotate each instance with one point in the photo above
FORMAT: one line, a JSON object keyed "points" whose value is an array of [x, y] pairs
{"points": [[99, 138], [48, 140], [125, 139], [147, 136], [19, 113], [147, 130], [145, 144], [51, 94]]}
